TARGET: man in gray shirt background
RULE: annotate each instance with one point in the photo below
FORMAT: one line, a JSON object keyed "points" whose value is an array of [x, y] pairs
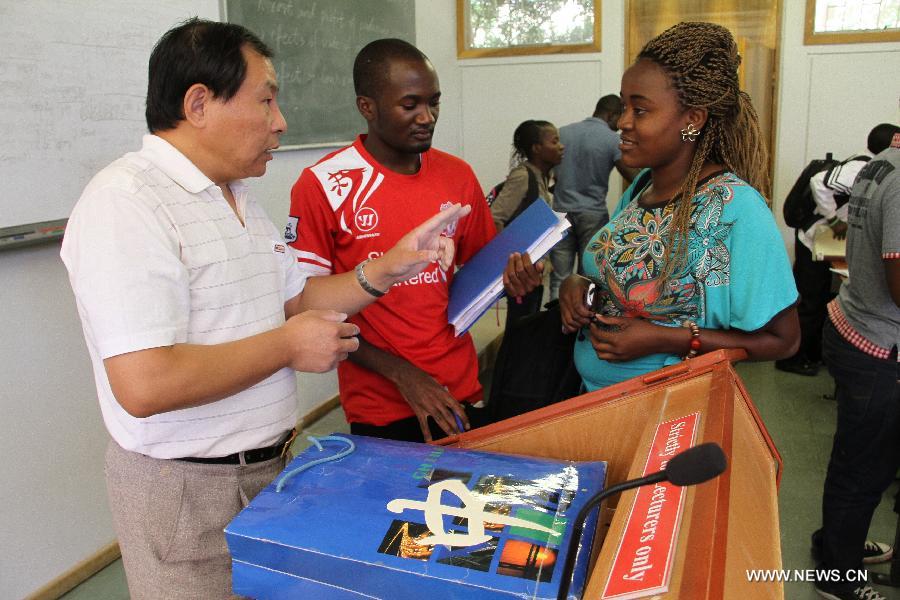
{"points": [[860, 342], [582, 181]]}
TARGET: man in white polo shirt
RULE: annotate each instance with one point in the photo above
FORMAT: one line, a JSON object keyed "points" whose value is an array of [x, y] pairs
{"points": [[192, 309]]}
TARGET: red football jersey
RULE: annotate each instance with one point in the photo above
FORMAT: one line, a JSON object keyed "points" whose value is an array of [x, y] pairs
{"points": [[347, 208]]}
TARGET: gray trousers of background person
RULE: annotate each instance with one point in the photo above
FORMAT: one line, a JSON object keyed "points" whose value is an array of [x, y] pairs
{"points": [[562, 257], [170, 515]]}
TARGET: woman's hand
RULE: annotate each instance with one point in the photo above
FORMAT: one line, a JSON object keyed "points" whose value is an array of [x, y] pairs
{"points": [[618, 339], [521, 276], [573, 307], [624, 338]]}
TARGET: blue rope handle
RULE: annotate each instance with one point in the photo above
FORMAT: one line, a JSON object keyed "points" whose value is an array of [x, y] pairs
{"points": [[317, 441]]}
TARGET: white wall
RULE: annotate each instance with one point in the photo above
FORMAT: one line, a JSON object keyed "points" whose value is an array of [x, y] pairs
{"points": [[829, 98], [53, 497], [485, 99]]}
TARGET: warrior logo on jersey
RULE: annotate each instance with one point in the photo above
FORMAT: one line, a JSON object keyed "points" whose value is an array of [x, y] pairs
{"points": [[366, 219], [290, 230], [450, 229]]}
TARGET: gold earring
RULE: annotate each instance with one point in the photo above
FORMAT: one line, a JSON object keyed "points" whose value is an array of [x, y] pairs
{"points": [[689, 133]]}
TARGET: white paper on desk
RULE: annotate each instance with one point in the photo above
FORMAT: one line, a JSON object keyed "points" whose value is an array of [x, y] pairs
{"points": [[826, 247]]}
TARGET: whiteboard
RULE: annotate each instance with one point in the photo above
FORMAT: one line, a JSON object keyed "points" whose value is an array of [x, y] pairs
{"points": [[73, 80]]}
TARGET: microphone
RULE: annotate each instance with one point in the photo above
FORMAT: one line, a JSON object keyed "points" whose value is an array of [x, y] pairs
{"points": [[694, 465]]}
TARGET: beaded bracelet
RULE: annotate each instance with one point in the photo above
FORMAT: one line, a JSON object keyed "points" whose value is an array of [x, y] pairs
{"points": [[695, 340]]}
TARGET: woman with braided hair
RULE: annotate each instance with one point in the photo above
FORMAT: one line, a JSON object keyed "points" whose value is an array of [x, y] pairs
{"points": [[691, 260]]}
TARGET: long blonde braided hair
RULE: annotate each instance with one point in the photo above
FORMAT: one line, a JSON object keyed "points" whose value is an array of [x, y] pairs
{"points": [[702, 60]]}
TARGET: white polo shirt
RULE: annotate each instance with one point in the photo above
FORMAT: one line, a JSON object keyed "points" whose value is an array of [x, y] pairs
{"points": [[157, 257]]}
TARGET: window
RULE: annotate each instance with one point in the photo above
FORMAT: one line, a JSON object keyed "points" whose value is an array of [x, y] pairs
{"points": [[518, 27], [852, 21]]}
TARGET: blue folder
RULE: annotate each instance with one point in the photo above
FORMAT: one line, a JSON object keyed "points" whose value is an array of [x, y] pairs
{"points": [[478, 284]]}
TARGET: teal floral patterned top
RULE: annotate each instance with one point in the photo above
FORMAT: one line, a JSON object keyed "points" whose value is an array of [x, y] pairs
{"points": [[737, 274]]}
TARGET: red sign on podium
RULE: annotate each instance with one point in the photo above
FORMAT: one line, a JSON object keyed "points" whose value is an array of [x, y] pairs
{"points": [[643, 561]]}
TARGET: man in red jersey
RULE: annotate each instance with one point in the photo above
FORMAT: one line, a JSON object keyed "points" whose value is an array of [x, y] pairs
{"points": [[352, 206]]}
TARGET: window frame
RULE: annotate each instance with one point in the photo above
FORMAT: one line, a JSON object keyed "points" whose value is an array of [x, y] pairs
{"points": [[862, 36], [463, 51]]}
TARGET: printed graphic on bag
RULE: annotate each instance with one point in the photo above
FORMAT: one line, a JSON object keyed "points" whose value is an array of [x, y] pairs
{"points": [[528, 561], [525, 515]]}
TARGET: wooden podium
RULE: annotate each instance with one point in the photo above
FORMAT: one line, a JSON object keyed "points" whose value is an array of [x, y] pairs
{"points": [[727, 526]]}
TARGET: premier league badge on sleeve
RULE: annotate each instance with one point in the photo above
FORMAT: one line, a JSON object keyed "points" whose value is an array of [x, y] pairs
{"points": [[290, 230]]}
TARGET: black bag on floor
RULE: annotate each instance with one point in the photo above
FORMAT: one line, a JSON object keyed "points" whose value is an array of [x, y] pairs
{"points": [[534, 366]]}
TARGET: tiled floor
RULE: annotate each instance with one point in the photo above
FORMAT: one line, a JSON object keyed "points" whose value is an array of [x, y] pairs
{"points": [[798, 415]]}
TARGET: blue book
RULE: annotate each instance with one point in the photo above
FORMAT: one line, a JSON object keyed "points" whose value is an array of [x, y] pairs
{"points": [[397, 520], [479, 283]]}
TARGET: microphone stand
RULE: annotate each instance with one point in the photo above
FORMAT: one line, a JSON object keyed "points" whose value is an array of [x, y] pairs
{"points": [[578, 525], [690, 467]]}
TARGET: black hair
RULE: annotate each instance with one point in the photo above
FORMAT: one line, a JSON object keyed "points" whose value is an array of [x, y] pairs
{"points": [[610, 104], [370, 67], [527, 134], [880, 137], [196, 51]]}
